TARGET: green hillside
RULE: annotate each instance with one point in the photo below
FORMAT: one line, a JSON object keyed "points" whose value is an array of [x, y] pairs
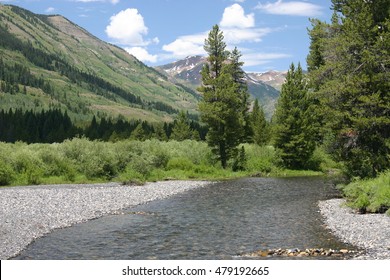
{"points": [[48, 62]]}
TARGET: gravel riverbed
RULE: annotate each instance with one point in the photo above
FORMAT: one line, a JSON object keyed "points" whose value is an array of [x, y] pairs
{"points": [[30, 212], [370, 232]]}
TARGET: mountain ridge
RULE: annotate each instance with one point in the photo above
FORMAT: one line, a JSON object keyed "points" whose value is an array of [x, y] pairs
{"points": [[262, 86]]}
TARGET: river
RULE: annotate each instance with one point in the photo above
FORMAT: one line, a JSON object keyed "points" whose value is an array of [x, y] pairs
{"points": [[219, 221]]}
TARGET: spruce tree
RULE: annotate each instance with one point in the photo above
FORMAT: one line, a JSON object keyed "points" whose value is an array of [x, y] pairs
{"points": [[259, 124], [222, 106], [352, 83], [181, 130], [293, 130]]}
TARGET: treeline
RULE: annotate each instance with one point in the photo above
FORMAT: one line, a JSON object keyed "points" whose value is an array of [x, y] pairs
{"points": [[55, 126], [44, 127], [13, 75]]}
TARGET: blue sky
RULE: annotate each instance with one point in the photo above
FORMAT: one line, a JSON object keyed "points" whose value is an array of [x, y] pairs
{"points": [[269, 33]]}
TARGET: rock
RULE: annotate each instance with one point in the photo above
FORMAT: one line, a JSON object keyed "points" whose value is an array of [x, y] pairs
{"points": [[295, 250]]}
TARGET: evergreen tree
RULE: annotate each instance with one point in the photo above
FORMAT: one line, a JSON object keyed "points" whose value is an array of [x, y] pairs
{"points": [[222, 104], [181, 129], [139, 133], [159, 132], [235, 68], [352, 83], [260, 127], [92, 131], [293, 130]]}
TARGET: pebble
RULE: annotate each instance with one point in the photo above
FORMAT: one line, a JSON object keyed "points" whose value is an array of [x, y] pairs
{"points": [[312, 252], [30, 212], [371, 232]]}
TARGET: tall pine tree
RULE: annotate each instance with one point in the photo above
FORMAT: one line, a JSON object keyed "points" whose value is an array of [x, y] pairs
{"points": [[293, 129], [222, 107], [259, 124]]}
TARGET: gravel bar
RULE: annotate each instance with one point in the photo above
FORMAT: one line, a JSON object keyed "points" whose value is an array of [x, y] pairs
{"points": [[30, 212], [371, 232]]}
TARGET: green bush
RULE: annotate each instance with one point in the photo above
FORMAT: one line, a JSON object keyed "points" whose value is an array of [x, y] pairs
{"points": [[371, 195], [141, 165], [7, 175], [321, 161], [99, 162], [260, 158], [180, 163], [28, 166], [130, 176], [82, 160]]}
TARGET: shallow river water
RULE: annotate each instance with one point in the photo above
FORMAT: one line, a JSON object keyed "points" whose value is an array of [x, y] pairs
{"points": [[219, 221]]}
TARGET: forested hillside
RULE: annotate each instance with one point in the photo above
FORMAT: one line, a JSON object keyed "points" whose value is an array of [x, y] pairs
{"points": [[47, 62]]}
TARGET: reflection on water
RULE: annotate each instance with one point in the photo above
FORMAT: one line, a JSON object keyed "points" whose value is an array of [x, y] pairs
{"points": [[219, 221]]}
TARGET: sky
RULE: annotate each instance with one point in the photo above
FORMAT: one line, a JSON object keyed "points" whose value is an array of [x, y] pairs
{"points": [[270, 34]]}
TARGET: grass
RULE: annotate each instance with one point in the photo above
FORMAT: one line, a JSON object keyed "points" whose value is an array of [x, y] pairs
{"points": [[80, 161], [370, 195]]}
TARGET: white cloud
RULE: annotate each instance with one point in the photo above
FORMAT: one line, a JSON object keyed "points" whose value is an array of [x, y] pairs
{"points": [[128, 28], [238, 35], [142, 54], [193, 44], [254, 59], [294, 8], [234, 16], [187, 45], [236, 26], [50, 10]]}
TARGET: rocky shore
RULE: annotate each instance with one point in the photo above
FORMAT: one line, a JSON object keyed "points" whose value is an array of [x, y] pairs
{"points": [[371, 232], [30, 212]]}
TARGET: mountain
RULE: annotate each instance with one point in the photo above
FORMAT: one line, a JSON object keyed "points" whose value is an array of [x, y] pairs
{"points": [[48, 62], [272, 78], [187, 72]]}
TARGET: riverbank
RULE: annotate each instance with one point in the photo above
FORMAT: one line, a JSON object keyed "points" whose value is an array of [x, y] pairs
{"points": [[30, 212], [371, 232]]}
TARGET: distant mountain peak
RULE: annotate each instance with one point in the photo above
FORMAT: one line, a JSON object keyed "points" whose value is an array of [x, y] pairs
{"points": [[261, 85], [187, 69], [271, 77]]}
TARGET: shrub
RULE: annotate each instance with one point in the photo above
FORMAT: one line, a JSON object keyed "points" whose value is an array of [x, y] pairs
{"points": [[99, 162], [180, 163], [321, 161], [7, 174], [372, 195], [130, 176], [260, 158], [28, 165], [141, 165]]}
